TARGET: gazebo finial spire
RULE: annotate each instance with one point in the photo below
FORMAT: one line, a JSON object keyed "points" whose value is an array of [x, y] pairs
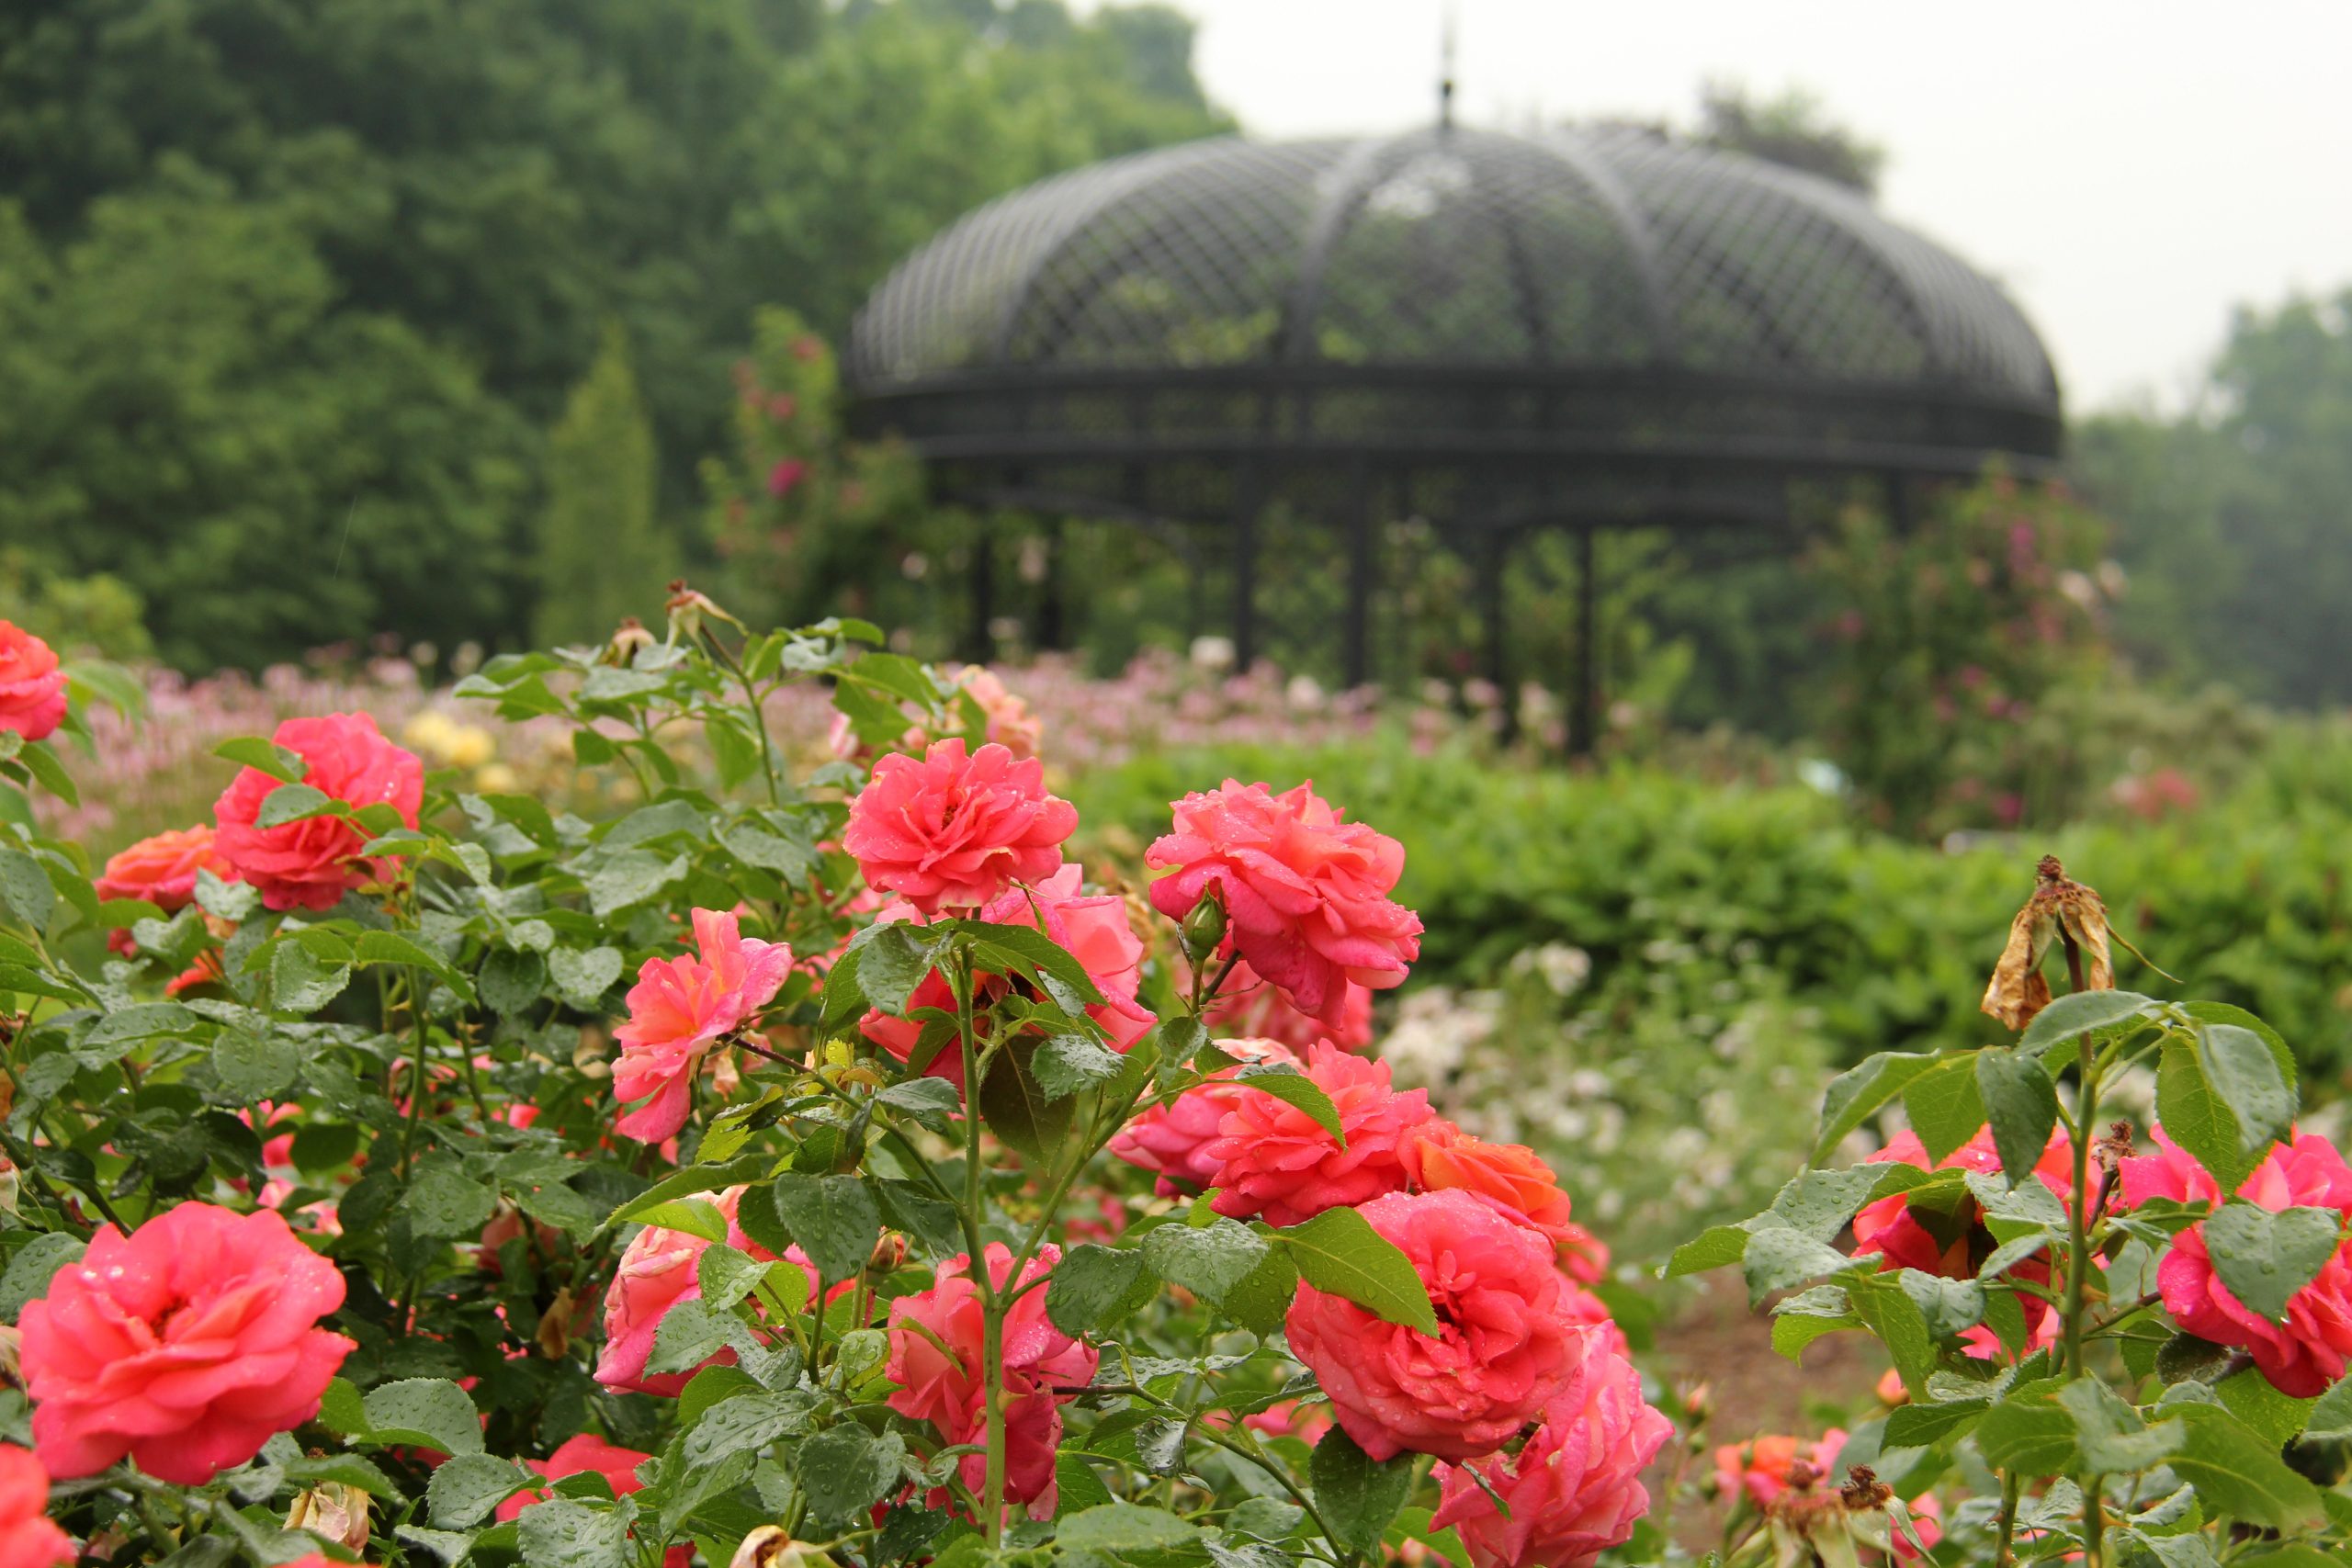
{"points": [[1446, 72]]}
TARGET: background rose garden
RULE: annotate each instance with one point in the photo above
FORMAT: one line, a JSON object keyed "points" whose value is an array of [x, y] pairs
{"points": [[366, 1207]]}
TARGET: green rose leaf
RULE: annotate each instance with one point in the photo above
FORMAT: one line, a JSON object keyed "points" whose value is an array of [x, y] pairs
{"points": [[1207, 1261], [1087, 1283], [294, 803], [1945, 1107], [1338, 1252], [2079, 1013], [2022, 1105], [2239, 1474], [1067, 1064], [565, 1533], [2265, 1258], [1860, 1093], [834, 1219], [1356, 1497], [464, 1488], [1294, 1089], [846, 1469], [429, 1413], [1115, 1530]]}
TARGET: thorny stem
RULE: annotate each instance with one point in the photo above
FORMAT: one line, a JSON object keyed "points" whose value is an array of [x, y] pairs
{"points": [[2079, 1219], [759, 716], [2012, 1484], [959, 977]]}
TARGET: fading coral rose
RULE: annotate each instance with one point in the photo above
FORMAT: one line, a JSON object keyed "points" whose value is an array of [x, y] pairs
{"points": [[1505, 1347], [1305, 894], [162, 869], [1277, 1163], [588, 1454], [1759, 1470], [952, 828], [935, 1360], [1093, 929], [1009, 723], [679, 1008], [1171, 1140], [658, 1270], [1576, 1489], [29, 1537], [2306, 1353], [1437, 1154], [186, 1345], [1249, 1007], [311, 864], [32, 688]]}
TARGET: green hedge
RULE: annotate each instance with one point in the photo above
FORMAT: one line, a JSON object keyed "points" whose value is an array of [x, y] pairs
{"points": [[1891, 941]]}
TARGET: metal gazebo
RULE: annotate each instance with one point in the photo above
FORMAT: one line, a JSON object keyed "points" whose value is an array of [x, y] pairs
{"points": [[1575, 329]]}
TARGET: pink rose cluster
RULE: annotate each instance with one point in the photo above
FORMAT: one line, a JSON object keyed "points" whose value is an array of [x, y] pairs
{"points": [[1305, 894], [935, 1361], [679, 1009], [1093, 929], [2303, 1354], [659, 1269], [1954, 1245], [1520, 1342]]}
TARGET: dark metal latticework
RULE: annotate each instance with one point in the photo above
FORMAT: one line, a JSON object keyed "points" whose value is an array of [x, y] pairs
{"points": [[1583, 329]]}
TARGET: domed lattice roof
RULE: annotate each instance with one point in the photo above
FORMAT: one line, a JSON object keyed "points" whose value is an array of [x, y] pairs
{"points": [[1565, 250], [1585, 329]]}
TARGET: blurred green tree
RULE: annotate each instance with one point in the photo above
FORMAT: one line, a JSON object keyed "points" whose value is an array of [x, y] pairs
{"points": [[2234, 521], [443, 202], [600, 555]]}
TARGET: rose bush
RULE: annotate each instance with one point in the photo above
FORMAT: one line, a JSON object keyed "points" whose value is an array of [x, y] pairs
{"points": [[412, 1171], [423, 1172]]}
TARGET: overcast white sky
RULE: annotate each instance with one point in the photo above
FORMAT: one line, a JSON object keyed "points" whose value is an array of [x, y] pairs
{"points": [[2130, 171]]}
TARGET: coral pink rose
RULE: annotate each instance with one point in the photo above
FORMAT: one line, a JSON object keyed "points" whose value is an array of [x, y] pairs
{"points": [[786, 476], [1305, 1419], [935, 1341], [953, 830], [187, 1345], [1575, 1490], [1759, 1470], [1169, 1140], [1504, 1345], [1247, 1006], [1437, 1155], [29, 1537], [678, 1010], [2307, 1353], [658, 1270], [1276, 1162], [162, 869], [311, 864], [1954, 1245], [1306, 895], [1093, 929], [32, 688]]}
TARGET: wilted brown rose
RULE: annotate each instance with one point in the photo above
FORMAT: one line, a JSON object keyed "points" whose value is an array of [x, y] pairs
{"points": [[334, 1512], [769, 1546], [2058, 907]]}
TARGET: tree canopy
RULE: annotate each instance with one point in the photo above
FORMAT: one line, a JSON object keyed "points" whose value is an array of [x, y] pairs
{"points": [[284, 285]]}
